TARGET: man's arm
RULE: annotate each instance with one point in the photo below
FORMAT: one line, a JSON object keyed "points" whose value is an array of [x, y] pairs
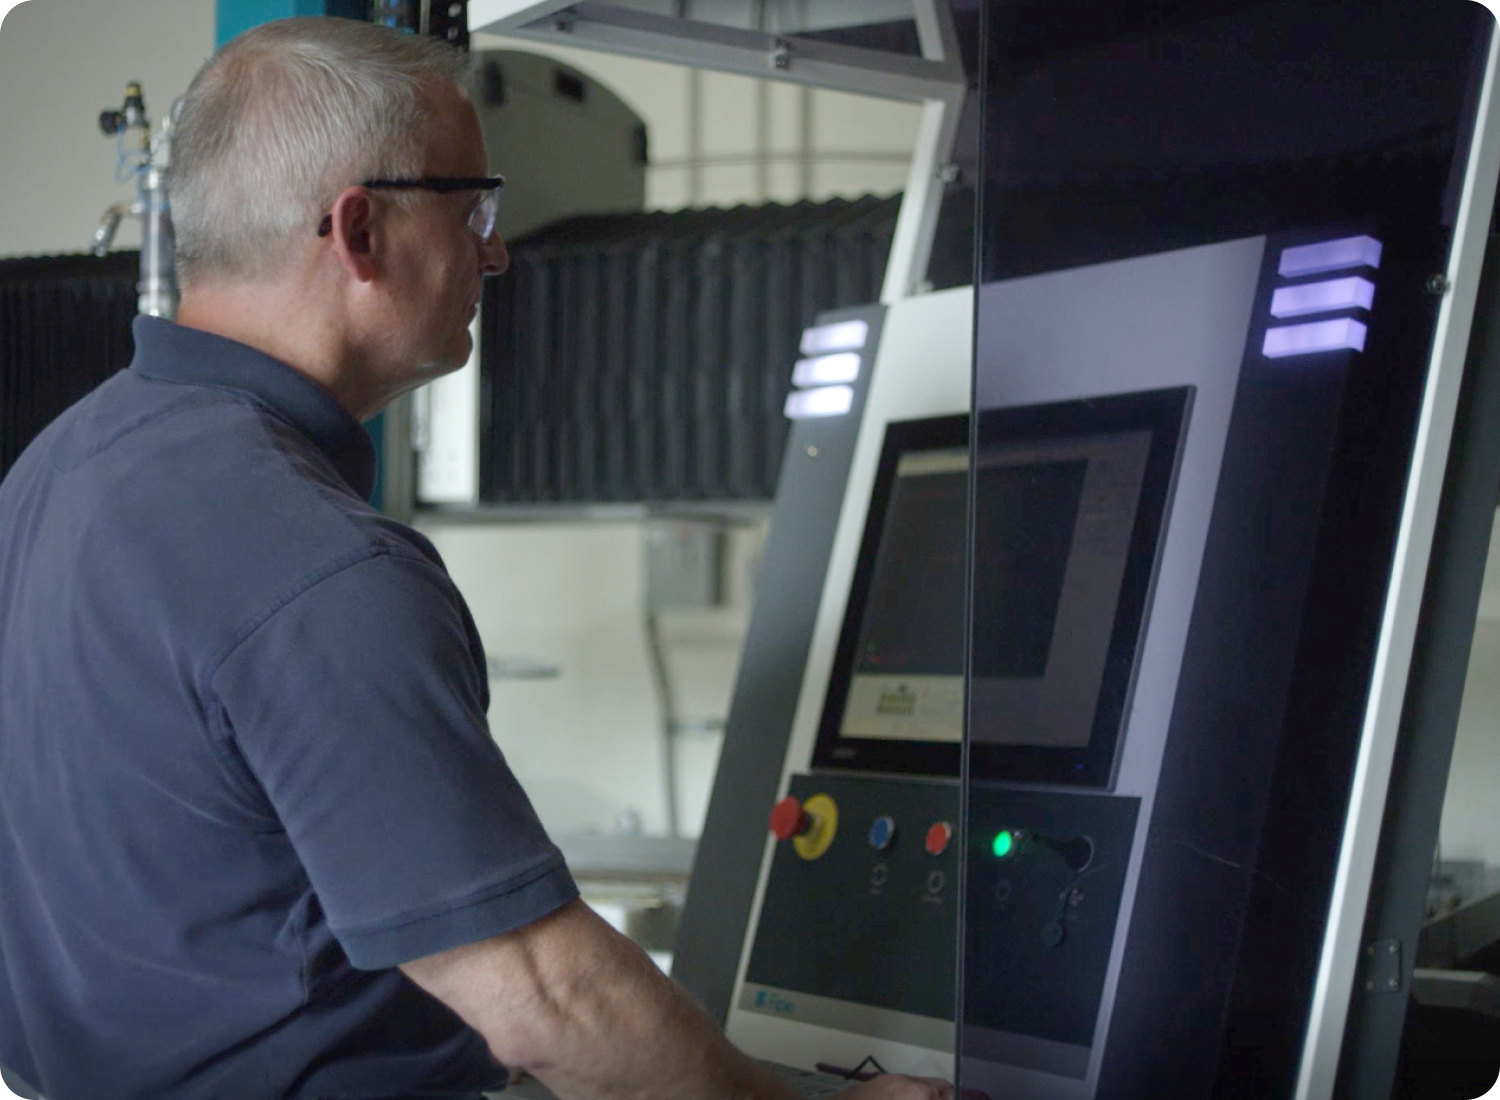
{"points": [[586, 1012]]}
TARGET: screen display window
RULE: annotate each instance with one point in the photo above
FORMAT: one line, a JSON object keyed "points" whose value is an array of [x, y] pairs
{"points": [[1054, 519], [907, 680], [1069, 503]]}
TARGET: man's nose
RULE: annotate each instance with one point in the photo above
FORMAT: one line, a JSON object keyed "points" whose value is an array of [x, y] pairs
{"points": [[493, 259]]}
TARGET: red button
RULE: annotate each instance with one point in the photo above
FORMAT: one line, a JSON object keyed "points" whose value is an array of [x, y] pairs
{"points": [[788, 819], [938, 837]]}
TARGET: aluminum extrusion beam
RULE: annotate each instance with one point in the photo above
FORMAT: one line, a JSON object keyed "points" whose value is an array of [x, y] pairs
{"points": [[591, 24]]}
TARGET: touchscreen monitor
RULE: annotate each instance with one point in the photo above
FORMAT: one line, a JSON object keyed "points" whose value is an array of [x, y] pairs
{"points": [[1069, 503]]}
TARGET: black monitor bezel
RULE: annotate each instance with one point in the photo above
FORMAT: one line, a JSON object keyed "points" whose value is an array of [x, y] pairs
{"points": [[1163, 413]]}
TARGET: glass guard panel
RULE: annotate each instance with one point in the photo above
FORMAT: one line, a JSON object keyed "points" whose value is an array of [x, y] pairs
{"points": [[1243, 204]]}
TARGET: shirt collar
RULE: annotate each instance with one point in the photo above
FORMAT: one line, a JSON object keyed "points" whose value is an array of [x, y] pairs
{"points": [[172, 353]]}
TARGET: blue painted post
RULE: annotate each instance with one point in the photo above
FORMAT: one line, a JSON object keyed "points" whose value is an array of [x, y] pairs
{"points": [[234, 16]]}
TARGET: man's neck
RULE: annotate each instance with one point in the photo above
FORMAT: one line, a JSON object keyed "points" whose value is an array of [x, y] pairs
{"points": [[285, 323]]}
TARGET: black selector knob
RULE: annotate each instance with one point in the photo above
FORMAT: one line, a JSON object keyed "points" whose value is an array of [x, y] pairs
{"points": [[1076, 851]]}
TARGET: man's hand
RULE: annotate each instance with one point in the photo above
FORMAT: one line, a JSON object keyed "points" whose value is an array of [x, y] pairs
{"points": [[891, 1086]]}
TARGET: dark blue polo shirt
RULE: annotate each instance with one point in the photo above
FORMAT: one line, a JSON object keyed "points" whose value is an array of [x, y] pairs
{"points": [[244, 763]]}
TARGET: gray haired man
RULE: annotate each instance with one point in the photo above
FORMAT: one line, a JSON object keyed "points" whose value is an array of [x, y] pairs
{"points": [[255, 838]]}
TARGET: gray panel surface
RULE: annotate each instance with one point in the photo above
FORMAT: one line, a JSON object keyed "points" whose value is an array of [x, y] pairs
{"points": [[809, 497]]}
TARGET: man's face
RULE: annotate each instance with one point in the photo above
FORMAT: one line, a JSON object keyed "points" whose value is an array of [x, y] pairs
{"points": [[437, 263]]}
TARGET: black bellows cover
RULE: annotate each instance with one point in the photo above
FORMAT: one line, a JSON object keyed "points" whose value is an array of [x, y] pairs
{"points": [[626, 357], [647, 357], [64, 328]]}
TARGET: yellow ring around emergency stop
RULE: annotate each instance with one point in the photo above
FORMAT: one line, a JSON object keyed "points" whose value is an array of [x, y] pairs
{"points": [[823, 815]]}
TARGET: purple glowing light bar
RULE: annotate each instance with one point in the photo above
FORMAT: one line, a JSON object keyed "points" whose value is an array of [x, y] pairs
{"points": [[1314, 259], [826, 370], [839, 336], [823, 401], [1325, 297], [1343, 334]]}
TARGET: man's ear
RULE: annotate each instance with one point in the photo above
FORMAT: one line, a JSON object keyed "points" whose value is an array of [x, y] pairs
{"points": [[349, 229]]}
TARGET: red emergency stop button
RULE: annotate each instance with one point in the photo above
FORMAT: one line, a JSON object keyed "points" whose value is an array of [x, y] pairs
{"points": [[938, 837], [788, 819]]}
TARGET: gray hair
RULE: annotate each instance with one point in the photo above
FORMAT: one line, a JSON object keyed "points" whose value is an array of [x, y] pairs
{"points": [[280, 121]]}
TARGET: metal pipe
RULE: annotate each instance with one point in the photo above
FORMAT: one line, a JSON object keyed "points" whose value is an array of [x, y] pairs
{"points": [[109, 225], [158, 285], [661, 675]]}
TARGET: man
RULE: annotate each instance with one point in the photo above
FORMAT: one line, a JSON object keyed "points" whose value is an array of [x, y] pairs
{"points": [[255, 839]]}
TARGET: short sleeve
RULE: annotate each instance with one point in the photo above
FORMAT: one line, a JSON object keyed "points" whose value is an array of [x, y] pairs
{"points": [[358, 706]]}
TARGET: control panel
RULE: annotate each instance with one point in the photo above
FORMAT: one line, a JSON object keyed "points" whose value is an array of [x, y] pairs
{"points": [[858, 924], [1046, 872]]}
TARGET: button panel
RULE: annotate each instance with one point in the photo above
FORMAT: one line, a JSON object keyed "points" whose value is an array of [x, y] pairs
{"points": [[872, 920]]}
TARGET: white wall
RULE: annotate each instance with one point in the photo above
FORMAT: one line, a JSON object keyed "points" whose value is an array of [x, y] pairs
{"points": [[1471, 813], [588, 744], [61, 63]]}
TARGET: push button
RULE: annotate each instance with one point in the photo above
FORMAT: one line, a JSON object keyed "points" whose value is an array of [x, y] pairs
{"points": [[882, 832], [810, 826], [938, 837], [788, 819]]}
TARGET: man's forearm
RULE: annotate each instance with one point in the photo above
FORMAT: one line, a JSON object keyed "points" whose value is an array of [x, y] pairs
{"points": [[588, 1014]]}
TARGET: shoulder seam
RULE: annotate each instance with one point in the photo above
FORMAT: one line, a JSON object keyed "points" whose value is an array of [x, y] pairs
{"points": [[304, 585], [187, 404]]}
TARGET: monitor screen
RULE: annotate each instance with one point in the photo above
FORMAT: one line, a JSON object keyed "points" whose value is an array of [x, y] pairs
{"points": [[908, 670], [1069, 503]]}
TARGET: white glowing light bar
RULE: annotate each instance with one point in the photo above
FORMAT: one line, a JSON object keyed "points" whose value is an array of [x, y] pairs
{"points": [[824, 401], [839, 336], [1314, 259], [1344, 334], [1305, 298], [826, 370]]}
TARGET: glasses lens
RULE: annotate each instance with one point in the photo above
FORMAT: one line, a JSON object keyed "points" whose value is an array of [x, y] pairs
{"points": [[482, 220]]}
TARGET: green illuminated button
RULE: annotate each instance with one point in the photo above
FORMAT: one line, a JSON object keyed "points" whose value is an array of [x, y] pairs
{"points": [[1004, 845]]}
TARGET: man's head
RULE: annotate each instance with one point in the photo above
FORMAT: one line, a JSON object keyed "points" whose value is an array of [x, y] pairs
{"points": [[281, 244], [281, 120]]}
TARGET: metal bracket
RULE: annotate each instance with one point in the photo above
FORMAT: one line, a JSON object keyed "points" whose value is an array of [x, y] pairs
{"points": [[1383, 967]]}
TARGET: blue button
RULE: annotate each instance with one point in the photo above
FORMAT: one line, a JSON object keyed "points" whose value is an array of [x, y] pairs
{"points": [[882, 832]]}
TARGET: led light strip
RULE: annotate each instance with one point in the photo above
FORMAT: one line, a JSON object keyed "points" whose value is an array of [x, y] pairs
{"points": [[839, 336], [1339, 255], [1343, 334], [1325, 297], [823, 401], [826, 370]]}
